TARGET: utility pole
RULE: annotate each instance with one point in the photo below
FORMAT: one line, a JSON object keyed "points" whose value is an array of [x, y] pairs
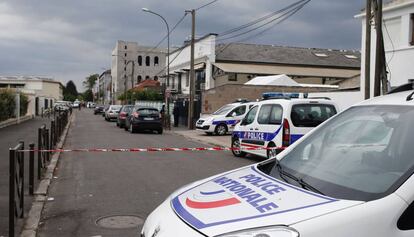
{"points": [[125, 89], [192, 73], [380, 65], [368, 50]]}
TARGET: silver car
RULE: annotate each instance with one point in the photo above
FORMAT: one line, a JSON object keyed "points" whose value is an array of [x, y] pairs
{"points": [[112, 112]]}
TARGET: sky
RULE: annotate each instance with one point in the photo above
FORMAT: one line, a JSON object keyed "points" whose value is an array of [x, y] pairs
{"points": [[71, 39]]}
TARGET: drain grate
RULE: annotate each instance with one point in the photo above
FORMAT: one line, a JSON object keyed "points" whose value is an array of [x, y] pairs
{"points": [[120, 221]]}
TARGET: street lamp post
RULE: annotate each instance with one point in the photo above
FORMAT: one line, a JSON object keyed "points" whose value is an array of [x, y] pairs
{"points": [[168, 58]]}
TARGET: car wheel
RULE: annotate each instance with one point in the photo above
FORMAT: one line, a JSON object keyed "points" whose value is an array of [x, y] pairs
{"points": [[221, 129], [235, 148], [209, 133], [271, 153], [117, 124], [159, 131]]}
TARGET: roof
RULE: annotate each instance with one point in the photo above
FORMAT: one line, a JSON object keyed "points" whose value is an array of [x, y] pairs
{"points": [[147, 84], [270, 54], [28, 78], [277, 80]]}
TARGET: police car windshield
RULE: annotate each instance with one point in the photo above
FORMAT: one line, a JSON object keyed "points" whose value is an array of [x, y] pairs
{"points": [[223, 110], [363, 154]]}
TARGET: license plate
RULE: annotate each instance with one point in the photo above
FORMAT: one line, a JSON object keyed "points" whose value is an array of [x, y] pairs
{"points": [[148, 118]]}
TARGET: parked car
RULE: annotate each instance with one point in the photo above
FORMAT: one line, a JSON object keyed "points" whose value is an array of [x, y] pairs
{"points": [[123, 114], [224, 119], [112, 112], [144, 119], [90, 104], [106, 107], [61, 106], [76, 104], [350, 176], [99, 109], [279, 123]]}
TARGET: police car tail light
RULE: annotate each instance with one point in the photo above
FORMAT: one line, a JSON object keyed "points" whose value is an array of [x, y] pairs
{"points": [[286, 133], [276, 231]]}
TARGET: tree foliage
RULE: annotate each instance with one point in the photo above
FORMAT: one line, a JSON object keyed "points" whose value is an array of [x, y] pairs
{"points": [[90, 81], [70, 93], [148, 95], [87, 95], [8, 104]]}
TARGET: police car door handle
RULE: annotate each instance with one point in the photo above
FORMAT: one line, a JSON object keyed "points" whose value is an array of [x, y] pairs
{"points": [[256, 129], [251, 129]]}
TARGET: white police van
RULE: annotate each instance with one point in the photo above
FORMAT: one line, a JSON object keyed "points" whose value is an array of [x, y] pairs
{"points": [[224, 119], [351, 176], [279, 123]]}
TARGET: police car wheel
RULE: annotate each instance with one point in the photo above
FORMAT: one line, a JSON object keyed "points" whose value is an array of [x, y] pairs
{"points": [[221, 130], [271, 153], [235, 144]]}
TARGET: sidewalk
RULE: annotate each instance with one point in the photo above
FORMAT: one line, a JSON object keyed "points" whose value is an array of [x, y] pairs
{"points": [[9, 137], [223, 141]]}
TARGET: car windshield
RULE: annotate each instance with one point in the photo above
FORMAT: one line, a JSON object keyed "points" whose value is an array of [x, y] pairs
{"points": [[116, 107], [223, 110], [365, 153]]}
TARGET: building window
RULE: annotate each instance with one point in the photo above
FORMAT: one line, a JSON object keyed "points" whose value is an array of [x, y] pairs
{"points": [[139, 60], [139, 78], [412, 29], [147, 60], [147, 77], [125, 47], [156, 61], [124, 68], [173, 82], [156, 78], [187, 79], [125, 54]]}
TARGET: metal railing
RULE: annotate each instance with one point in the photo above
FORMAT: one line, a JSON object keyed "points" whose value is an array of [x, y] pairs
{"points": [[47, 140]]}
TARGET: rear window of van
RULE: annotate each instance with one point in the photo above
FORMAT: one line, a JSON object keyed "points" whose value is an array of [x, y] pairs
{"points": [[311, 115]]}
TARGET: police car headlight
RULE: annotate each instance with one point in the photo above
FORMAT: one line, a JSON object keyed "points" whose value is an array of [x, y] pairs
{"points": [[275, 231]]}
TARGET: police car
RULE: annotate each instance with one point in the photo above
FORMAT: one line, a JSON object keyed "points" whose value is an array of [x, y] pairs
{"points": [[279, 123], [224, 119], [351, 176]]}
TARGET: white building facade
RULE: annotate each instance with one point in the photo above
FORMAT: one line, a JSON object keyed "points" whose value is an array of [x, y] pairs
{"points": [[104, 88], [42, 92], [133, 63], [398, 34]]}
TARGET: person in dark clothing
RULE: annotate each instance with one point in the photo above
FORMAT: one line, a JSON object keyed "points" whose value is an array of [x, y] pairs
{"points": [[176, 113]]}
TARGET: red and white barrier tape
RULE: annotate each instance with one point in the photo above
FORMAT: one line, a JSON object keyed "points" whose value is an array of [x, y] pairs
{"points": [[154, 149]]}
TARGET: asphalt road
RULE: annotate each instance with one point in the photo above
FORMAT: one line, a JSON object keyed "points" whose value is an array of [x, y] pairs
{"points": [[9, 137], [88, 186]]}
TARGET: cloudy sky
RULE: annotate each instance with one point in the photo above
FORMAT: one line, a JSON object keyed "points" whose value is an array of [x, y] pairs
{"points": [[71, 39]]}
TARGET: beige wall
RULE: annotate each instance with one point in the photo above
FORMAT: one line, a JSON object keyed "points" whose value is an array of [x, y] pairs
{"points": [[214, 98], [51, 90]]}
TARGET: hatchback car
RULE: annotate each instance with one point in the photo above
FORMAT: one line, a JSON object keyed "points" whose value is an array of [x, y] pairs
{"points": [[112, 112], [123, 114], [350, 176], [279, 123], [144, 119], [99, 109]]}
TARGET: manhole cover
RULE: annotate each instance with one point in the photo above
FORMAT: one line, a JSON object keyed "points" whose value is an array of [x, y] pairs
{"points": [[120, 222]]}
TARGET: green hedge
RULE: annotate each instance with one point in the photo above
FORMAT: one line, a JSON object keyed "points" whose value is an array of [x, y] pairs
{"points": [[148, 95], [8, 104]]}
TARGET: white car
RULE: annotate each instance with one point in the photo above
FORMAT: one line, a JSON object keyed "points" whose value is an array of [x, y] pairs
{"points": [[279, 123], [224, 119], [351, 176]]}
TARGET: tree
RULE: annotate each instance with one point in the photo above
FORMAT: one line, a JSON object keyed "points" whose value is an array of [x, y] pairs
{"points": [[90, 81], [70, 93], [88, 95]]}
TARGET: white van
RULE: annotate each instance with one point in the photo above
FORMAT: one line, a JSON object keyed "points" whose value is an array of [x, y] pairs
{"points": [[224, 119], [279, 123], [350, 177]]}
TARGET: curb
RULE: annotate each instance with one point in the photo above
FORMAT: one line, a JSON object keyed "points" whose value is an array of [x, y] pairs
{"points": [[198, 139], [14, 121], [32, 221]]}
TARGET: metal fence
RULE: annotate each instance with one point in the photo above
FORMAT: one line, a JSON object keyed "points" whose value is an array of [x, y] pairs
{"points": [[47, 140]]}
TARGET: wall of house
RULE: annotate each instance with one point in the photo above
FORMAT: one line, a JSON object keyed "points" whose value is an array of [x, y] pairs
{"points": [[397, 30], [213, 99], [204, 52]]}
